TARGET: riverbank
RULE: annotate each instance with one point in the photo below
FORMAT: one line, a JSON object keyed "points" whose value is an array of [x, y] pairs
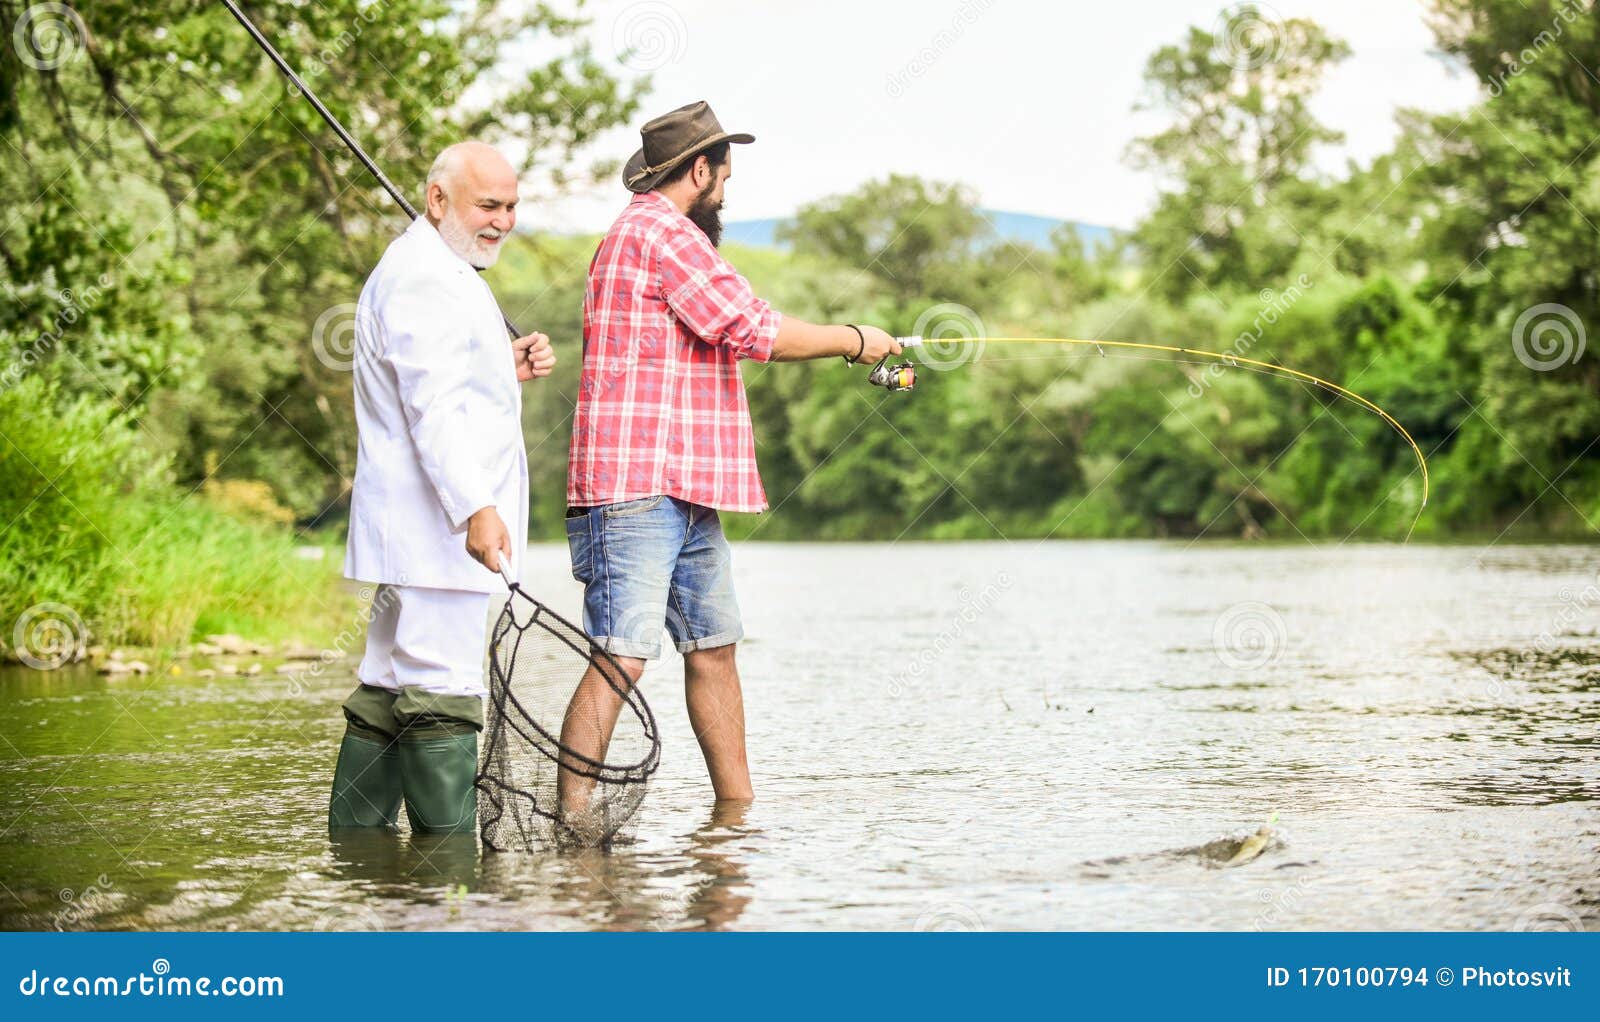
{"points": [[101, 549]]}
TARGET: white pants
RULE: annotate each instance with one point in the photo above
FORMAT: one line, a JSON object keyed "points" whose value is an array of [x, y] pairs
{"points": [[432, 639]]}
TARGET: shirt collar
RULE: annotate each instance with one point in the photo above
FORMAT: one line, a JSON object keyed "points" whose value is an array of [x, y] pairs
{"points": [[658, 200], [429, 237]]}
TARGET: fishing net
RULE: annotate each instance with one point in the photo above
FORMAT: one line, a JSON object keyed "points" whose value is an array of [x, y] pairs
{"points": [[570, 744]]}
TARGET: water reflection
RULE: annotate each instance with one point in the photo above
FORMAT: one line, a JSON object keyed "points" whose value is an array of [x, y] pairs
{"points": [[1430, 750]]}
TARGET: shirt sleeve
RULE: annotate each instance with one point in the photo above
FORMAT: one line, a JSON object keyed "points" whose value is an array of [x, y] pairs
{"points": [[709, 297], [429, 353]]}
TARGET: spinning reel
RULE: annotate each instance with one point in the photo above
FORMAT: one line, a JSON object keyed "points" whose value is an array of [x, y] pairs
{"points": [[898, 376]]}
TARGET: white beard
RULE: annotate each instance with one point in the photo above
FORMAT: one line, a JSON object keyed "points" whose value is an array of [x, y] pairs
{"points": [[465, 244]]}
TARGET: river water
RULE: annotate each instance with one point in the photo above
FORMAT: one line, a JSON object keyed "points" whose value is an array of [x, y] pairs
{"points": [[943, 736]]}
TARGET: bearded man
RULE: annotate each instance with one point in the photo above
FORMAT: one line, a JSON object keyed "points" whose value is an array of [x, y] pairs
{"points": [[662, 441], [440, 501]]}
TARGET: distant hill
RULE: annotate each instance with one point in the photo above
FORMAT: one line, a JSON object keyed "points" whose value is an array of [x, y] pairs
{"points": [[1018, 227]]}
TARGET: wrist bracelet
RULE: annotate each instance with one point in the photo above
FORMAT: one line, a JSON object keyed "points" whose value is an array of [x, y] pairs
{"points": [[859, 351]]}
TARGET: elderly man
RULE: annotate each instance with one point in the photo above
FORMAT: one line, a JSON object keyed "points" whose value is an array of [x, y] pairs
{"points": [[440, 472], [662, 439]]}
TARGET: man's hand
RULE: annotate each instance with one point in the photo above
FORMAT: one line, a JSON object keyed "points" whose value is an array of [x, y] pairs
{"points": [[534, 356], [488, 540], [879, 345]]}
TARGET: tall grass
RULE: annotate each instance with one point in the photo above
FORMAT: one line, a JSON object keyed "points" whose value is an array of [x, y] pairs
{"points": [[89, 519]]}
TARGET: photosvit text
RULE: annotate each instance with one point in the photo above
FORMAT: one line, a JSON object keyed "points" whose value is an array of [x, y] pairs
{"points": [[1421, 976]]}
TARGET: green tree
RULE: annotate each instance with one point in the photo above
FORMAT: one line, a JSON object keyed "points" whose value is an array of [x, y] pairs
{"points": [[913, 236], [164, 151], [1510, 243], [1237, 152]]}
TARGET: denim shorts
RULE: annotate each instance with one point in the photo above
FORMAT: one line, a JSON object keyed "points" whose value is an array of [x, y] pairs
{"points": [[653, 562]]}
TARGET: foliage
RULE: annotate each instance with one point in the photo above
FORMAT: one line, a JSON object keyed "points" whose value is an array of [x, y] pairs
{"points": [[183, 228]]}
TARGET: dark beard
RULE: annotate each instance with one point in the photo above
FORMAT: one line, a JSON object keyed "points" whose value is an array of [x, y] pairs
{"points": [[707, 215]]}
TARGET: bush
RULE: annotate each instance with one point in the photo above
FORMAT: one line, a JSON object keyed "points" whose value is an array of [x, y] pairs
{"points": [[92, 522]]}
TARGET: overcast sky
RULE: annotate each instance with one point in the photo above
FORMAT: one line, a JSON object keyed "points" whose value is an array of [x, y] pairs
{"points": [[1029, 102]]}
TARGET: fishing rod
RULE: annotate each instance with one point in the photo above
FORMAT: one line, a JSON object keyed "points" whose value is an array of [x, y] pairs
{"points": [[894, 377], [902, 377], [333, 122]]}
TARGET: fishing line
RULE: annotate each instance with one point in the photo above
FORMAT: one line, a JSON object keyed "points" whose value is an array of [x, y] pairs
{"points": [[1211, 357]]}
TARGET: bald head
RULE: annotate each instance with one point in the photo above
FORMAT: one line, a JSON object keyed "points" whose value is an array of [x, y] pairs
{"points": [[472, 200]]}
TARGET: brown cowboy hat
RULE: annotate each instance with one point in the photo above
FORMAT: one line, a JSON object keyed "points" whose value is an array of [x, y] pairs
{"points": [[672, 138]]}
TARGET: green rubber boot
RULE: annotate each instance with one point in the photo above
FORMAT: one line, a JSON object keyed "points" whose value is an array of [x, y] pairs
{"points": [[366, 780], [366, 783], [439, 760], [437, 778]]}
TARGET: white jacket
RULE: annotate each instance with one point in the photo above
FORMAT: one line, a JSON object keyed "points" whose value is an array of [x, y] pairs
{"points": [[439, 410]]}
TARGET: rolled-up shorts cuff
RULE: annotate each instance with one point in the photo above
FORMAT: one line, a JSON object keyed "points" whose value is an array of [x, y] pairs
{"points": [[710, 641], [627, 647]]}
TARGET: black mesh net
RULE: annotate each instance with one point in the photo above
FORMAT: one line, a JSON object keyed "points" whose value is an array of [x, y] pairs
{"points": [[569, 745]]}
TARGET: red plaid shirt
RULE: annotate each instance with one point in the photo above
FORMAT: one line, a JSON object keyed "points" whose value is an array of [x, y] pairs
{"points": [[661, 405]]}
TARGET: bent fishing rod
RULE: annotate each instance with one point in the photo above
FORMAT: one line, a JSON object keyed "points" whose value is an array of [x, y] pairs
{"points": [[893, 377], [902, 377]]}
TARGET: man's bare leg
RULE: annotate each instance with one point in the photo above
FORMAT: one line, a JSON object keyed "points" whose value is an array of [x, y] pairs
{"points": [[586, 729], [716, 710]]}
